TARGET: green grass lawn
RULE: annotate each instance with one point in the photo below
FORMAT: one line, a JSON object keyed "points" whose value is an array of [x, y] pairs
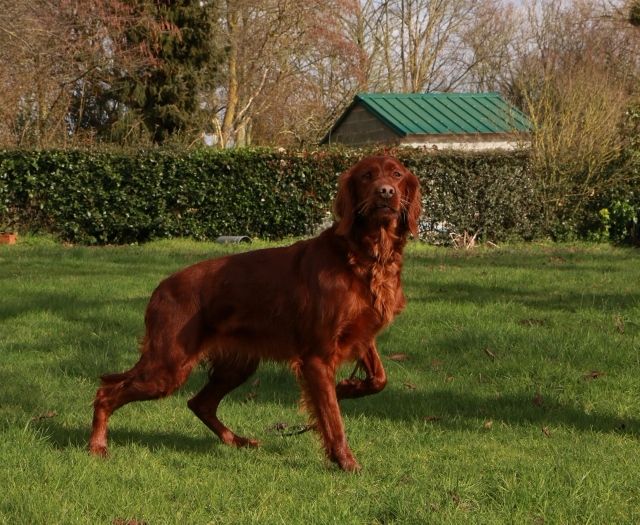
{"points": [[516, 398]]}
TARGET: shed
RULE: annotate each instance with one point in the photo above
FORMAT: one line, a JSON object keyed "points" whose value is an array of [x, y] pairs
{"points": [[470, 121]]}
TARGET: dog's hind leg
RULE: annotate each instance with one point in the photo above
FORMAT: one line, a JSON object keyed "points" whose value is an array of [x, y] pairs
{"points": [[163, 367], [223, 378]]}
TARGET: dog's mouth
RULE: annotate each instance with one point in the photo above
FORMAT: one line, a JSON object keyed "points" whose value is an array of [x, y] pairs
{"points": [[379, 209], [385, 208]]}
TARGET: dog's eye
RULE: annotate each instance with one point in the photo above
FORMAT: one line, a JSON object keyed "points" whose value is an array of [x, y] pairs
{"points": [[367, 175], [397, 174]]}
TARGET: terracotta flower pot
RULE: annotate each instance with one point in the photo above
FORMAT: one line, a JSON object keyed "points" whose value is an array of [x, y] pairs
{"points": [[8, 238]]}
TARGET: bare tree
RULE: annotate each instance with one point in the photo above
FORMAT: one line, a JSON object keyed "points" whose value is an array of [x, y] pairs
{"points": [[491, 41], [436, 45], [390, 45], [575, 76], [266, 43], [52, 52]]}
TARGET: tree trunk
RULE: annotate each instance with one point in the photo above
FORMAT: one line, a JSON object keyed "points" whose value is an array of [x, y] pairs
{"points": [[227, 130]]}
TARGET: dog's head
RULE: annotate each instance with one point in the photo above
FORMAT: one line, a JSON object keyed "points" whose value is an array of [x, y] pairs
{"points": [[378, 191]]}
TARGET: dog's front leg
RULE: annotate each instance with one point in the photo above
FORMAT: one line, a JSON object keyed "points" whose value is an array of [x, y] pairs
{"points": [[375, 377], [318, 383]]}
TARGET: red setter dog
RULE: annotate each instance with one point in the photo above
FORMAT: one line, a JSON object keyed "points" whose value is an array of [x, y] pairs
{"points": [[315, 304]]}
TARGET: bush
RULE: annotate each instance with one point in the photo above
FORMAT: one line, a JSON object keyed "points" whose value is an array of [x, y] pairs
{"points": [[119, 198], [101, 197], [613, 216], [489, 193]]}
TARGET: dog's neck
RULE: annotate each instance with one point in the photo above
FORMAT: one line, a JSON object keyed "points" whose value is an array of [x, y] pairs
{"points": [[377, 244], [376, 256]]}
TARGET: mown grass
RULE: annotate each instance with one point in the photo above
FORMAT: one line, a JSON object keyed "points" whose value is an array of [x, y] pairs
{"points": [[516, 399]]}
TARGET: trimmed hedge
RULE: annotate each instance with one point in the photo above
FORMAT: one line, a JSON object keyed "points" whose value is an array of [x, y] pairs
{"points": [[490, 193], [113, 198]]}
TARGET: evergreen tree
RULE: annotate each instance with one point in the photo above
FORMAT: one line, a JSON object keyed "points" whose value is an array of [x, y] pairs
{"points": [[634, 13], [166, 95]]}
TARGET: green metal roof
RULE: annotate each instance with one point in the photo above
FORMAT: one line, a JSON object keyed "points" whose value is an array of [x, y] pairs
{"points": [[443, 113]]}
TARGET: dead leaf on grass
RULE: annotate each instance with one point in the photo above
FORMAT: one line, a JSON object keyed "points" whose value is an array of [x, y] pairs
{"points": [[449, 379], [488, 424], [296, 430], [432, 419], [461, 504], [436, 364], [546, 432], [407, 479], [490, 353], [409, 386], [285, 430], [124, 521], [594, 374], [398, 357], [618, 322]]}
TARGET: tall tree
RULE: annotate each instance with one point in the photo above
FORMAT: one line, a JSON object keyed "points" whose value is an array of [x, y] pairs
{"points": [[268, 44], [56, 60], [168, 94], [576, 75], [634, 13]]}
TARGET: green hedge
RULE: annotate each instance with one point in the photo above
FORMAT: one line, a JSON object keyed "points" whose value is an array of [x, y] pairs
{"points": [[492, 194], [101, 197]]}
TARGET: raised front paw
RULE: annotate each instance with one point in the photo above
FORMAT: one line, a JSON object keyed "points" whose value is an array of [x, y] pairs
{"points": [[348, 388]]}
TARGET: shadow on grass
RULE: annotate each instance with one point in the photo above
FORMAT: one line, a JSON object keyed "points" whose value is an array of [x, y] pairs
{"points": [[271, 384], [568, 301], [453, 411], [17, 398], [62, 437], [457, 277], [532, 257], [457, 412]]}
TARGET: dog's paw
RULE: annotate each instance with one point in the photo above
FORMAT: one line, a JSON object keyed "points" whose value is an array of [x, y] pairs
{"points": [[99, 451], [349, 464], [239, 441]]}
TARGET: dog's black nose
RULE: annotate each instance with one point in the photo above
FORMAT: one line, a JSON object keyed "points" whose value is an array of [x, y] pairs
{"points": [[386, 191]]}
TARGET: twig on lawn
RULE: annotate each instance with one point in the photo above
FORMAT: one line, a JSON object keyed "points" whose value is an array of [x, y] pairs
{"points": [[299, 429]]}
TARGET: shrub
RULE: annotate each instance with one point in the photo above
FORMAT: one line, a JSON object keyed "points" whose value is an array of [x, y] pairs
{"points": [[614, 216], [106, 197], [491, 193]]}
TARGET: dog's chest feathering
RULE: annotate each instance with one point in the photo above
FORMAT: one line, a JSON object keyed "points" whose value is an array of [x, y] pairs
{"points": [[381, 272]]}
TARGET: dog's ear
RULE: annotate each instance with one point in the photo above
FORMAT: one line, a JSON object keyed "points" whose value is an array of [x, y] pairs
{"points": [[344, 207], [413, 206]]}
